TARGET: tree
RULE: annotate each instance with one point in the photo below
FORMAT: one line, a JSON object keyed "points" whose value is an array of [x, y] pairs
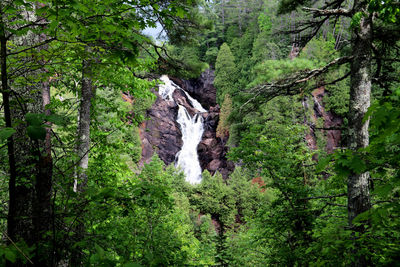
{"points": [[29, 149], [360, 58], [48, 42], [225, 73]]}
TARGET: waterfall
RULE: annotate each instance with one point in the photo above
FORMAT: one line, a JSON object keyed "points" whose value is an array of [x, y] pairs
{"points": [[191, 128]]}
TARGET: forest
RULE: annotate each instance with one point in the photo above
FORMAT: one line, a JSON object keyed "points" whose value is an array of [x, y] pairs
{"points": [[297, 161]]}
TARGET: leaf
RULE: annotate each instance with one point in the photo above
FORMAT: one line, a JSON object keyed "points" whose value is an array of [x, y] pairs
{"points": [[10, 255], [6, 133], [180, 12], [100, 251], [34, 119], [56, 119], [36, 132], [322, 163], [355, 21], [357, 164], [383, 190]]}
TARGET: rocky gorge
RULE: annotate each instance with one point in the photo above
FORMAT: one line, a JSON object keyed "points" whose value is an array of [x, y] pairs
{"points": [[160, 133]]}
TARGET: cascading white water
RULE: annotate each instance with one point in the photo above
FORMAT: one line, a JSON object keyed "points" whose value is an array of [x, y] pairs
{"points": [[192, 131]]}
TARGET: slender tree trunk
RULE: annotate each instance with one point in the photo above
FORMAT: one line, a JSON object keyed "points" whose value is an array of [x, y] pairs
{"points": [[19, 224], [83, 148], [43, 214], [360, 93], [31, 171], [11, 231], [84, 126]]}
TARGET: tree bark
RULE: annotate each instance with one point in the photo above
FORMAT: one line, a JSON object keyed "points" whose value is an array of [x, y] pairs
{"points": [[11, 218], [43, 214], [360, 93], [84, 126], [83, 148], [30, 165]]}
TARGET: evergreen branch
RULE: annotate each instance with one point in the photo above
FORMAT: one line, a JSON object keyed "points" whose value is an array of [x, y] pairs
{"points": [[324, 197], [332, 82], [290, 86]]}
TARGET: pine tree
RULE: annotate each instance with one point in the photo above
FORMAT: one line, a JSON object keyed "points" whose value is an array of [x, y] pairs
{"points": [[225, 73]]}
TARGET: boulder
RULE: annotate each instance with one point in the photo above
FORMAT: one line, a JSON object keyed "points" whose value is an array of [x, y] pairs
{"points": [[181, 99], [214, 165]]}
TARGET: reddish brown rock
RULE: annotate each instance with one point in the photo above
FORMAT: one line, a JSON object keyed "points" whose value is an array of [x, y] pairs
{"points": [[331, 123], [214, 165], [160, 133], [181, 99], [201, 88]]}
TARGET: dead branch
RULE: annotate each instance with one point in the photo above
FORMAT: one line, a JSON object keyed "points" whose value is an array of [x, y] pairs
{"points": [[328, 12]]}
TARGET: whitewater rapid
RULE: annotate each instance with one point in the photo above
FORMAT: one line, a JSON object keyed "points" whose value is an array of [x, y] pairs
{"points": [[192, 129]]}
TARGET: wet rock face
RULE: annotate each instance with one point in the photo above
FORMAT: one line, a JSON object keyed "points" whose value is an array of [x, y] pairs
{"points": [[212, 150], [180, 98], [160, 133], [201, 88], [331, 126]]}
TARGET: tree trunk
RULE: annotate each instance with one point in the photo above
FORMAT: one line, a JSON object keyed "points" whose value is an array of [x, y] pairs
{"points": [[43, 214], [360, 93], [11, 218], [84, 126], [83, 148], [30, 165]]}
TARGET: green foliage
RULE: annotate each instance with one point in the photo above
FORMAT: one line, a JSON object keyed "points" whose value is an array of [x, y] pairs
{"points": [[264, 49], [250, 193], [264, 22], [279, 208], [189, 56], [213, 196], [273, 70], [143, 219], [6, 133], [225, 73], [223, 125], [388, 11], [322, 50], [286, 6]]}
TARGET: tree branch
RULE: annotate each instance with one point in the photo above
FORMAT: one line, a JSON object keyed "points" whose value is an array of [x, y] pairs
{"points": [[324, 197], [291, 85], [329, 12]]}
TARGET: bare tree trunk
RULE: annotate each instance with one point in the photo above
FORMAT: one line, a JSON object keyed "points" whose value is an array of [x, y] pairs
{"points": [[43, 213], [83, 148], [84, 126], [11, 218], [360, 92]]}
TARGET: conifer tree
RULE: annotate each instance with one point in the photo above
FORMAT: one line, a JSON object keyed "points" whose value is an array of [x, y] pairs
{"points": [[225, 73]]}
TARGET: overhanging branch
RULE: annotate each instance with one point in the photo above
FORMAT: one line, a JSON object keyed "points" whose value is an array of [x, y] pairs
{"points": [[328, 12], [293, 84]]}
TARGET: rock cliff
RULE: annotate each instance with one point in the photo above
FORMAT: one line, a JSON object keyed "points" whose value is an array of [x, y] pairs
{"points": [[330, 128], [160, 133]]}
